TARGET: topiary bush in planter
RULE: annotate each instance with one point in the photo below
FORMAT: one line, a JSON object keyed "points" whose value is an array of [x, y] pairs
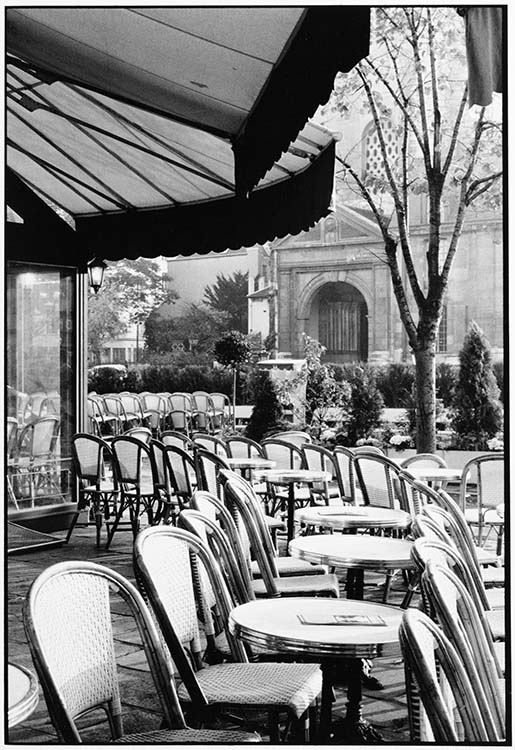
{"points": [[268, 414], [478, 412]]}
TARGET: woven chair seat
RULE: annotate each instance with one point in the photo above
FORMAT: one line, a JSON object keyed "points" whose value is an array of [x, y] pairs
{"points": [[496, 620], [270, 685], [493, 576], [105, 487], [320, 585], [500, 652], [496, 598], [186, 736], [490, 516], [275, 523], [290, 566]]}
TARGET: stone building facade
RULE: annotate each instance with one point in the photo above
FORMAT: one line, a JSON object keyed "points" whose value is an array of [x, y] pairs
{"points": [[334, 285]]}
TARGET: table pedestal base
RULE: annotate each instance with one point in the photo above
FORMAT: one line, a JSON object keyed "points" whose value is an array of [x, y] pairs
{"points": [[351, 729]]}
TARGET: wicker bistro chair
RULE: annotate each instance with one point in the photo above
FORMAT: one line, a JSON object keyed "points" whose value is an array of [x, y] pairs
{"points": [[177, 439], [243, 447], [280, 566], [167, 561], [180, 420], [318, 458], [210, 443], [169, 503], [424, 459], [222, 407], [96, 491], [377, 477], [106, 424], [270, 584], [426, 550], [138, 483], [432, 526], [35, 460], [286, 456], [207, 467], [68, 622], [295, 437], [481, 491], [156, 407], [437, 679], [140, 433], [183, 478], [181, 401], [461, 622], [344, 460]]}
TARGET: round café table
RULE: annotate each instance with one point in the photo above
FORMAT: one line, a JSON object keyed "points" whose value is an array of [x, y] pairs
{"points": [[22, 693], [358, 552], [246, 464], [291, 477], [275, 624], [434, 474], [354, 517]]}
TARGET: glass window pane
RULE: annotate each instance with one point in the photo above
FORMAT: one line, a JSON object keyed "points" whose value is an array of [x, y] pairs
{"points": [[41, 378]]}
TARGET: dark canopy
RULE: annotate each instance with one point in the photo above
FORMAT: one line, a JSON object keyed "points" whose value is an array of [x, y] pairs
{"points": [[151, 126]]}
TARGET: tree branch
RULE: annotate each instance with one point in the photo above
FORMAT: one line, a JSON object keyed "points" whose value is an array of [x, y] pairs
{"points": [[437, 134], [455, 132], [420, 87], [484, 184]]}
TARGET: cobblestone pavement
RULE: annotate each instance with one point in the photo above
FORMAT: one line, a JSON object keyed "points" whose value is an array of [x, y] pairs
{"points": [[386, 709]]}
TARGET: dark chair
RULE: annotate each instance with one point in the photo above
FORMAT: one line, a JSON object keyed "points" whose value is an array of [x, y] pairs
{"points": [[97, 491], [136, 474]]}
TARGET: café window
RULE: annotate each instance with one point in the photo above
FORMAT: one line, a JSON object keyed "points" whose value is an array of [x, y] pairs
{"points": [[40, 384]]}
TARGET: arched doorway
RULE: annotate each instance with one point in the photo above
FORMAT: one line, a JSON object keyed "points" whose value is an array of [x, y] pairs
{"points": [[342, 322]]}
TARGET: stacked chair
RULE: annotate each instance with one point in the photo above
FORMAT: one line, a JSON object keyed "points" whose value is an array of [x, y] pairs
{"points": [[453, 649]]}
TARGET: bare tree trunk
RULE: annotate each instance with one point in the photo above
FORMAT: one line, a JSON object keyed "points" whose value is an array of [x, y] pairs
{"points": [[426, 397], [234, 384]]}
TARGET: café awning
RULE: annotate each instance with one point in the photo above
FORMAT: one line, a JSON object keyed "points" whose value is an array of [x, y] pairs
{"points": [[177, 130]]}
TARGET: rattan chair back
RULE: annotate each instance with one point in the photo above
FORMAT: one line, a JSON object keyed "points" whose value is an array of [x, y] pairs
{"points": [[443, 685], [243, 447], [237, 502], [295, 437], [424, 460], [182, 474], [378, 479], [223, 550], [67, 618], [207, 467], [210, 443], [213, 508], [481, 491], [361, 450], [140, 433], [344, 460], [285, 454], [177, 439]]}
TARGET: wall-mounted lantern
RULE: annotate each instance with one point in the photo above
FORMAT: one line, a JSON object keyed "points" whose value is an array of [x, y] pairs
{"points": [[96, 270]]}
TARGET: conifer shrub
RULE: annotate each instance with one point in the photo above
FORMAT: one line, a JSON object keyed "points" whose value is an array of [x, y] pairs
{"points": [[477, 410]]}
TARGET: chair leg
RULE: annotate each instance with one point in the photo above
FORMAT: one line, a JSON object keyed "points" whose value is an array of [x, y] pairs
{"points": [[273, 728], [387, 585]]}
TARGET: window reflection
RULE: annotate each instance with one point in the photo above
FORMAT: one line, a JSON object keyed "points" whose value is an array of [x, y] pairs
{"points": [[40, 367]]}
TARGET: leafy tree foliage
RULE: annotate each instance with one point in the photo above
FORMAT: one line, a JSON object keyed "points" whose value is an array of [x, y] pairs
{"points": [[131, 290], [414, 80], [228, 296], [477, 410]]}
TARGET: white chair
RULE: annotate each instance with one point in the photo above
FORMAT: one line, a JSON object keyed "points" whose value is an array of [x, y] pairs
{"points": [[68, 623]]}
